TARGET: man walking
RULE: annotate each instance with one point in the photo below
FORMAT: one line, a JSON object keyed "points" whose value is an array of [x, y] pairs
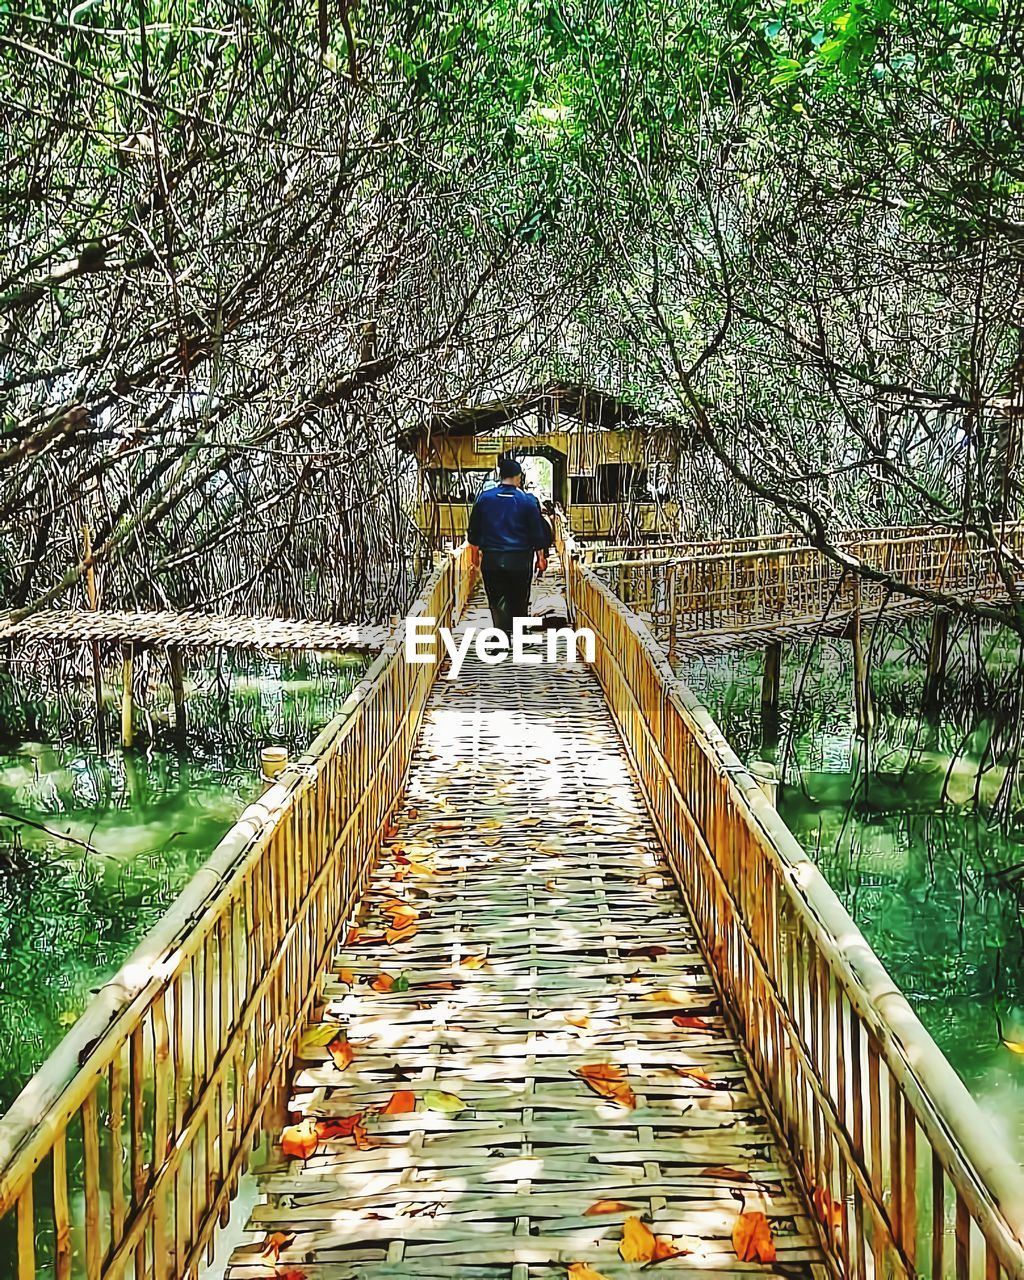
{"points": [[507, 526]]}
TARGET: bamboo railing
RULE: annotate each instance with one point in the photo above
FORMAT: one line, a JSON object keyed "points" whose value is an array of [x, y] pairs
{"points": [[689, 589], [122, 1153], [905, 1174]]}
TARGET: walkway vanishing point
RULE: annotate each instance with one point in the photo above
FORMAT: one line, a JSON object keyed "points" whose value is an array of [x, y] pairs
{"points": [[565, 1007]]}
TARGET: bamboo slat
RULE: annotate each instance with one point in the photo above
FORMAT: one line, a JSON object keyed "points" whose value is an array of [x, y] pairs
{"points": [[736, 860], [216, 992], [549, 935]]}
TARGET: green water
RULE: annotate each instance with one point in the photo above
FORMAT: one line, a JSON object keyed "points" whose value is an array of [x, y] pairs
{"points": [[121, 831], [908, 846]]}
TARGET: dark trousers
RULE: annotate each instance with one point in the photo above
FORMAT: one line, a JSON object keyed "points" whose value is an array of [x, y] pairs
{"points": [[507, 578]]}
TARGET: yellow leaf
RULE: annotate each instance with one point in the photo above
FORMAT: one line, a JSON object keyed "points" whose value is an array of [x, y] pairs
{"points": [[637, 1243], [580, 1271], [1015, 1046], [665, 996], [347, 977], [318, 1035], [473, 962], [577, 1020]]}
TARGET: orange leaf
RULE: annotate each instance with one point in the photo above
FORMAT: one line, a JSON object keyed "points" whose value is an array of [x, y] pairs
{"points": [[752, 1238], [577, 1020], [580, 1271], [399, 874], [347, 976], [393, 936], [697, 1074], [607, 1206], [353, 935], [473, 962], [828, 1210], [273, 1244], [412, 813], [449, 826], [608, 1082], [299, 1140], [383, 982], [724, 1171], [404, 917], [692, 1022], [551, 886], [436, 986], [390, 830], [400, 1102], [291, 1275], [342, 1127], [341, 1052]]}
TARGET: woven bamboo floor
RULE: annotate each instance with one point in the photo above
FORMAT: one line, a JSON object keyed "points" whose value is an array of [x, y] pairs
{"points": [[189, 630], [549, 937]]}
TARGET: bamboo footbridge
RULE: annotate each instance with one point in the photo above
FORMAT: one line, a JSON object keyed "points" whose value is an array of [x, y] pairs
{"points": [[519, 975]]}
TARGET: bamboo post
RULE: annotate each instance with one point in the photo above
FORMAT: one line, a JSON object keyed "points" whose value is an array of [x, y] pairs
{"points": [[127, 699], [92, 595], [176, 667], [770, 682], [935, 671], [861, 683]]}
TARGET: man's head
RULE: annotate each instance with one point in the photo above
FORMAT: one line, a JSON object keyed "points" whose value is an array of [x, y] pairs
{"points": [[510, 472]]}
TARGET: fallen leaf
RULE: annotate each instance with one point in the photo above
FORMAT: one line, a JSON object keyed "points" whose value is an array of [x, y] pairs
{"points": [[752, 1238], [651, 953], [393, 936], [609, 1082], [347, 977], [638, 1242], [724, 1171], [473, 962], [318, 1035], [1015, 1046], [437, 986], [577, 1020], [337, 1127], [274, 1243], [341, 1052], [390, 830], [551, 886], [449, 826], [291, 1275], [400, 1103], [665, 996], [382, 982], [449, 1104], [412, 813], [353, 935], [697, 1074], [607, 1206], [581, 1271], [399, 874], [692, 1022], [421, 869], [299, 1140]]}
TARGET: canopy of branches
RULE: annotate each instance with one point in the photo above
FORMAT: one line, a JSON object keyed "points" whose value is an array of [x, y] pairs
{"points": [[248, 245]]}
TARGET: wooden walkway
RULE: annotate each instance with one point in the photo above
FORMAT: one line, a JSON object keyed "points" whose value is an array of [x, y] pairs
{"points": [[189, 630], [536, 935]]}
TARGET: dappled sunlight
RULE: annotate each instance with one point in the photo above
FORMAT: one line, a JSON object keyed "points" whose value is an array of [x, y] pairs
{"points": [[519, 1023]]}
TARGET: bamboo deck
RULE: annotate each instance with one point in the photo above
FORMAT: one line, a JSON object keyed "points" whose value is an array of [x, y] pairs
{"points": [[190, 630], [543, 901]]}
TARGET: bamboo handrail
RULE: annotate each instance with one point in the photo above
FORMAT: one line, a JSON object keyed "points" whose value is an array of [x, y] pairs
{"points": [[823, 1024], [164, 1082]]}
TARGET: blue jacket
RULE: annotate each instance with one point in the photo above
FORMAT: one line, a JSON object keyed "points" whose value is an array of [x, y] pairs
{"points": [[507, 519]]}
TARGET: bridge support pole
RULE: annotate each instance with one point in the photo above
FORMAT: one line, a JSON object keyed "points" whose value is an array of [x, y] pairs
{"points": [[176, 669], [863, 710], [127, 696], [770, 682], [935, 672]]}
